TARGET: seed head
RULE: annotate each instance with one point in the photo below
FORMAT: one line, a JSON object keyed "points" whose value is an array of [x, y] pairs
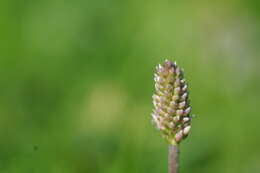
{"points": [[171, 114]]}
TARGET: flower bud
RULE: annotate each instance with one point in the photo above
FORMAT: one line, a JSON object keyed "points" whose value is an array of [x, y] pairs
{"points": [[179, 136], [176, 119], [182, 104], [186, 119], [187, 111], [186, 130], [175, 97], [179, 112], [184, 88], [184, 96], [177, 91]]}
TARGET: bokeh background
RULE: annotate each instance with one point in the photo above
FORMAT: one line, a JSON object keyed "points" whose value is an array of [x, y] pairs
{"points": [[76, 80]]}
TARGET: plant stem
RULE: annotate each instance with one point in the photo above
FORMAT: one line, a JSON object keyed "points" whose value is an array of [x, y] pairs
{"points": [[173, 159]]}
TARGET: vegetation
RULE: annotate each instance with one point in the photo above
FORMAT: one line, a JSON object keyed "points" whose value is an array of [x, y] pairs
{"points": [[76, 84]]}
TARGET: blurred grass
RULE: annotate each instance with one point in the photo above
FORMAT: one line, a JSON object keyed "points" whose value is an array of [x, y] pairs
{"points": [[76, 84]]}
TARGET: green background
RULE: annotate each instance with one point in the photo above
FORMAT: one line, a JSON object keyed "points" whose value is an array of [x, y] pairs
{"points": [[76, 80]]}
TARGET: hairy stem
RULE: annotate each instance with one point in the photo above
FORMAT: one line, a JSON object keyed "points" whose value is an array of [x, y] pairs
{"points": [[173, 159]]}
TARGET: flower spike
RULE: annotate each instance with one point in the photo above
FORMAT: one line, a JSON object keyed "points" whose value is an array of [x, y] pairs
{"points": [[171, 114]]}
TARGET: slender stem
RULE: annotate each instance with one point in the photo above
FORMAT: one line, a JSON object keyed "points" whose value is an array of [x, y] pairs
{"points": [[173, 159]]}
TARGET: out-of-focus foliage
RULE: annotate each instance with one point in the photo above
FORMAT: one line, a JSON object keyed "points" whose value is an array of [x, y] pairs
{"points": [[77, 78]]}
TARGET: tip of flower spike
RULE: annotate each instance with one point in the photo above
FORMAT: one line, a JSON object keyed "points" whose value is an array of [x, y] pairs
{"points": [[169, 64]]}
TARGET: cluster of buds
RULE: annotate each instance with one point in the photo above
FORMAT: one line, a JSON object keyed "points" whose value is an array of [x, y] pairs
{"points": [[171, 114]]}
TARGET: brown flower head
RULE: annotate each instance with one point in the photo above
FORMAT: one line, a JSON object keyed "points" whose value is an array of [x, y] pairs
{"points": [[171, 114]]}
